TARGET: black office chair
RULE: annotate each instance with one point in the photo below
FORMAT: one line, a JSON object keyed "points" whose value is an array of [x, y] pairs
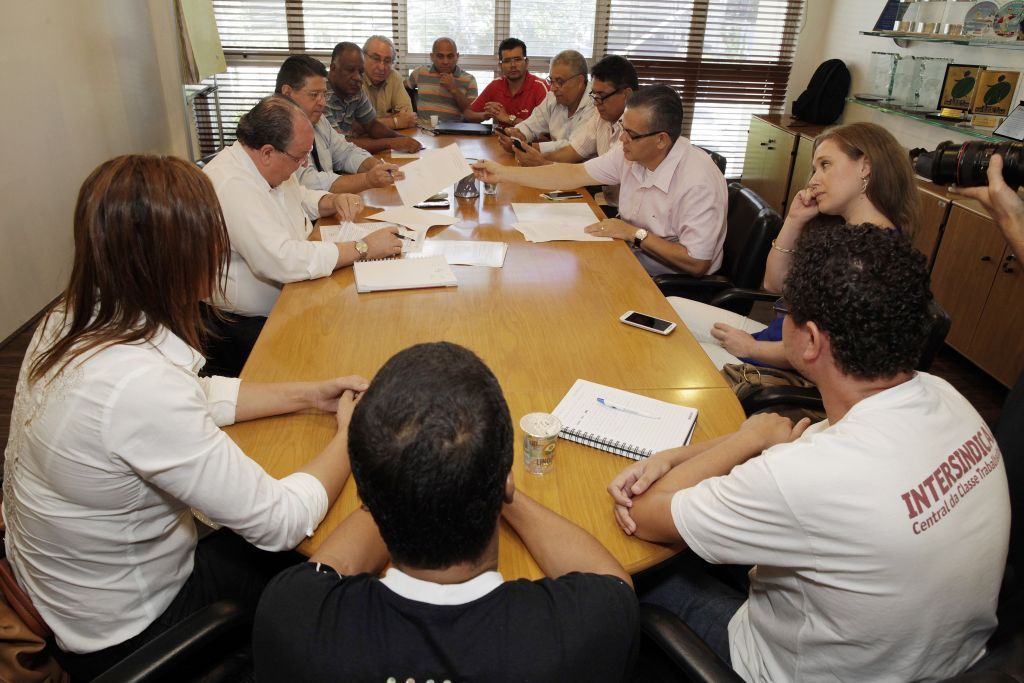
{"points": [[751, 227], [412, 96], [207, 159], [672, 651], [213, 645], [775, 397], [720, 161]]}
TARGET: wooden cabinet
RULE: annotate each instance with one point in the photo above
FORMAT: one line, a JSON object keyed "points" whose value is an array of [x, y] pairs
{"points": [[769, 162], [934, 210], [978, 280]]}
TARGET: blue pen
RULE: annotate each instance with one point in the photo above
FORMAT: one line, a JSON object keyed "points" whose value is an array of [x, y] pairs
{"points": [[615, 406]]}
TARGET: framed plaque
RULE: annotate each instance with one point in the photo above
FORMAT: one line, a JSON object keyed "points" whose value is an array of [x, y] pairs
{"points": [[993, 95], [959, 86]]}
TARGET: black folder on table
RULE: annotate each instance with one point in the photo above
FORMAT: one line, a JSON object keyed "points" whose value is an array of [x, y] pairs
{"points": [[461, 128]]}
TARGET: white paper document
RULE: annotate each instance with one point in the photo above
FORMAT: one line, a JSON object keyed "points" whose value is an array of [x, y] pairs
{"points": [[466, 252], [376, 276], [550, 211], [568, 230], [414, 218], [412, 242], [435, 170]]}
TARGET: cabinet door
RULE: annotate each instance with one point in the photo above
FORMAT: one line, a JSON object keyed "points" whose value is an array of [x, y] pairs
{"points": [[965, 266], [801, 169], [998, 344], [769, 162], [933, 214]]}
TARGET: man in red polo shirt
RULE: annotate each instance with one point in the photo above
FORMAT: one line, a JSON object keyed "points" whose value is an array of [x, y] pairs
{"points": [[511, 98]]}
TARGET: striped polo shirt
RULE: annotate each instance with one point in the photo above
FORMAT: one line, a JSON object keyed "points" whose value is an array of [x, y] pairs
{"points": [[434, 100]]}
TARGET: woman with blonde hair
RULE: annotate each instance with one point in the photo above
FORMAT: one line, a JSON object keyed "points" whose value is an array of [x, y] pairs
{"points": [[114, 436], [861, 174]]}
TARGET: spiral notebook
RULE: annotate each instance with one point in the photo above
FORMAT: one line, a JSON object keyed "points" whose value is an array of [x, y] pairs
{"points": [[621, 422], [414, 273]]}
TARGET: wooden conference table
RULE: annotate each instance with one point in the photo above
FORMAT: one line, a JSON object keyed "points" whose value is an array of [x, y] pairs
{"points": [[548, 317]]}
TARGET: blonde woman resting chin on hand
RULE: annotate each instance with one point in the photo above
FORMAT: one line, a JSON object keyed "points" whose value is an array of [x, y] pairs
{"points": [[861, 174]]}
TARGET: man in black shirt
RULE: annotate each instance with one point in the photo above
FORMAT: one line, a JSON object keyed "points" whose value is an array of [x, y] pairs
{"points": [[431, 452]]}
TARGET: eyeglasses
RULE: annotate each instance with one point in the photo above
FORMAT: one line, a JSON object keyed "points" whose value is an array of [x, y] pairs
{"points": [[560, 82], [301, 161], [378, 60], [633, 135], [512, 60], [601, 97], [316, 94]]}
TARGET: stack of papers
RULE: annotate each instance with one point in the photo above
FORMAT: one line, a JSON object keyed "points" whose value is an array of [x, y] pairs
{"points": [[376, 276], [551, 222], [435, 170], [466, 252], [417, 219]]}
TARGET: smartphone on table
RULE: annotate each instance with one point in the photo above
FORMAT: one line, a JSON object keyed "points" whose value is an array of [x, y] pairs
{"points": [[561, 195], [647, 322]]}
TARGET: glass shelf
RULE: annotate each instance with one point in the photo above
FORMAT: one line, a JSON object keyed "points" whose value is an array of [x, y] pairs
{"points": [[950, 40], [973, 132]]}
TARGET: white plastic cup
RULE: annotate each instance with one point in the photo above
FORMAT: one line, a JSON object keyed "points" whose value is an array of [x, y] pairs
{"points": [[433, 121], [540, 435]]}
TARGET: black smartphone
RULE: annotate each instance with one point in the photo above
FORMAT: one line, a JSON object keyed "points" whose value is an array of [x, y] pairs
{"points": [[518, 144]]}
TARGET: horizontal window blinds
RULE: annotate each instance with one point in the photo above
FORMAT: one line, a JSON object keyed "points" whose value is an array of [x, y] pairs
{"points": [[728, 59]]}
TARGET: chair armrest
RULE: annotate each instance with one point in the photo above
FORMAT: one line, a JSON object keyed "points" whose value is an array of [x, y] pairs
{"points": [[770, 396], [684, 647], [180, 644], [688, 287], [726, 296]]}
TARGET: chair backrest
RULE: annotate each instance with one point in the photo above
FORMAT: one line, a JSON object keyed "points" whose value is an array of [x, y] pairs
{"points": [[752, 225], [208, 158], [720, 161], [412, 97], [938, 328]]}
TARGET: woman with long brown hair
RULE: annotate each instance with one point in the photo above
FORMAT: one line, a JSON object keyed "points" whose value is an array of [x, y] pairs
{"points": [[114, 436], [861, 174]]}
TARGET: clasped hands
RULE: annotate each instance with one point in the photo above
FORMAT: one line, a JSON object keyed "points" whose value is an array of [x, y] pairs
{"points": [[756, 434]]}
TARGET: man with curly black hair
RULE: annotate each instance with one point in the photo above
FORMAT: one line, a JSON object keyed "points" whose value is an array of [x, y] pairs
{"points": [[879, 535]]}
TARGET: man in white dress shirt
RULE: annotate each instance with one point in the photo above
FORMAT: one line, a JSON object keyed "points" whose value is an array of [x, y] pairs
{"points": [[566, 109], [303, 80], [268, 215], [612, 81]]}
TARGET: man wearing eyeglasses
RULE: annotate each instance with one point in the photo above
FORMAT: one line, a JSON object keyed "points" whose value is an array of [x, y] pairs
{"points": [[383, 86], [565, 109], [303, 80], [443, 88], [514, 96], [672, 197], [349, 110], [268, 216]]}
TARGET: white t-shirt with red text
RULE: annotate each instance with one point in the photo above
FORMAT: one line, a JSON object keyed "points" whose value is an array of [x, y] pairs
{"points": [[879, 542]]}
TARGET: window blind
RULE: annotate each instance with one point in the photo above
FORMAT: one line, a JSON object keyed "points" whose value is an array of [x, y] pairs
{"points": [[728, 59]]}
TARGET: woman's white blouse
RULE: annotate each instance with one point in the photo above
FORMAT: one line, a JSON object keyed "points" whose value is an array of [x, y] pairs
{"points": [[104, 461]]}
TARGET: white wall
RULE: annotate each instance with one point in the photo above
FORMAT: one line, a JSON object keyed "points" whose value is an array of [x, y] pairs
{"points": [[84, 81], [832, 30]]}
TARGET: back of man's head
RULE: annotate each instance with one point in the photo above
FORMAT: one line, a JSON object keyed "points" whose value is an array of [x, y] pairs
{"points": [[270, 122], [296, 69], [617, 71], [431, 448], [867, 288]]}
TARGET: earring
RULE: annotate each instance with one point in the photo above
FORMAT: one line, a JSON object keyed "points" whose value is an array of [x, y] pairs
{"points": [[864, 186]]}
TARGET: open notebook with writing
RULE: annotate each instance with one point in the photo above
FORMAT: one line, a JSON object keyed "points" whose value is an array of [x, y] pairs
{"points": [[413, 273], [621, 422]]}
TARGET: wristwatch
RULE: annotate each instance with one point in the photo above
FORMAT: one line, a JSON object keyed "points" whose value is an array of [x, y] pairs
{"points": [[361, 249], [638, 237], [512, 118]]}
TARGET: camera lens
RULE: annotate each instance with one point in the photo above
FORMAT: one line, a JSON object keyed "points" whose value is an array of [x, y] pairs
{"points": [[967, 164]]}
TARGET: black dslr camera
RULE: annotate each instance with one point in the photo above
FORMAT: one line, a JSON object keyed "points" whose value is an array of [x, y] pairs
{"points": [[967, 164]]}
